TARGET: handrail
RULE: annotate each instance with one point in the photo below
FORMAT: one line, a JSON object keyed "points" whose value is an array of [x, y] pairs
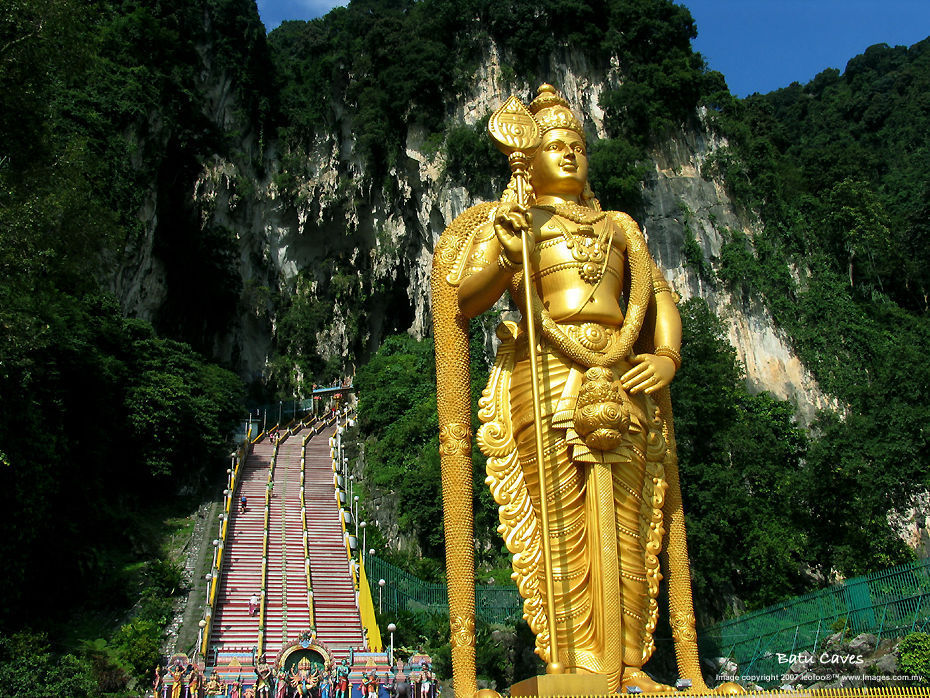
{"points": [[239, 457], [303, 519], [264, 576], [292, 406], [363, 596]]}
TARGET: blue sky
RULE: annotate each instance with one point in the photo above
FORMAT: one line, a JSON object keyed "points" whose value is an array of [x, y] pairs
{"points": [[759, 45]]}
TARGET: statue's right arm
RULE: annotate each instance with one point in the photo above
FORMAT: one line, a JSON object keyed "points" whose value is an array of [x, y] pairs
{"points": [[495, 256]]}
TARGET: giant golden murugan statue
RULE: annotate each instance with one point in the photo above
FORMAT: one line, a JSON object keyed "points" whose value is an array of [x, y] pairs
{"points": [[582, 380]]}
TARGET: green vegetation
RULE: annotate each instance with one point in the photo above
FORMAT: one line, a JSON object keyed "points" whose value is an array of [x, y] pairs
{"points": [[739, 455], [474, 162], [836, 171], [105, 418], [914, 653], [399, 64], [397, 420], [28, 668]]}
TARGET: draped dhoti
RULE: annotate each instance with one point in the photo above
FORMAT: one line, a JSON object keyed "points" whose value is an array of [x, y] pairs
{"points": [[604, 512]]}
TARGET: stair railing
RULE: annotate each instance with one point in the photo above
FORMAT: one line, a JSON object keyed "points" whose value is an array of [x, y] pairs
{"points": [[363, 598], [303, 517], [264, 576], [233, 480]]}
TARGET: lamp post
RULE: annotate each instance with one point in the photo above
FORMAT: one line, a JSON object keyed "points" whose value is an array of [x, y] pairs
{"points": [[381, 584], [216, 547], [391, 629], [280, 407], [363, 526], [355, 513]]}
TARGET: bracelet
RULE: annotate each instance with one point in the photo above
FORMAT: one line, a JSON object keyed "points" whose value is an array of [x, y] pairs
{"points": [[505, 263], [669, 353]]}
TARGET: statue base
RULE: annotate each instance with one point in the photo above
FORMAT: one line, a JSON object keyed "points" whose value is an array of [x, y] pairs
{"points": [[562, 685]]}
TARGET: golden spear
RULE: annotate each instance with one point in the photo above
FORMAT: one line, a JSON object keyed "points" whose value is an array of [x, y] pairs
{"points": [[516, 134]]}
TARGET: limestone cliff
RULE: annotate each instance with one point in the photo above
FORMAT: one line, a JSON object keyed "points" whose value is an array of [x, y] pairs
{"points": [[312, 223]]}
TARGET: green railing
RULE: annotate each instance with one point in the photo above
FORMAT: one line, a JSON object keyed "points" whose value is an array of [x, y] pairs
{"points": [[887, 603], [404, 592]]}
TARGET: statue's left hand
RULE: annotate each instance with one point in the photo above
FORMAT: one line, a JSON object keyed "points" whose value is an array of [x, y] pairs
{"points": [[650, 373]]}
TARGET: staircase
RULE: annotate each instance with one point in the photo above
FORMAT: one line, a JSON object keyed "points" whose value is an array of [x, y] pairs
{"points": [[287, 611]]}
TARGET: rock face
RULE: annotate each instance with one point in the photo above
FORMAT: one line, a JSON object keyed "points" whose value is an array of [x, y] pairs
{"points": [[681, 201], [303, 220], [912, 525]]}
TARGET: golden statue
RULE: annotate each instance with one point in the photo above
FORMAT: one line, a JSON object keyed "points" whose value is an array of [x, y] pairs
{"points": [[585, 383]]}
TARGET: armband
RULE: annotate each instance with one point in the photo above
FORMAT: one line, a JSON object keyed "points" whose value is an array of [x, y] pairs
{"points": [[505, 264], [669, 353]]}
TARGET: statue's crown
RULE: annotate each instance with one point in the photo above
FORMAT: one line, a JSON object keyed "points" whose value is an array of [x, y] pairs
{"points": [[550, 110], [304, 664]]}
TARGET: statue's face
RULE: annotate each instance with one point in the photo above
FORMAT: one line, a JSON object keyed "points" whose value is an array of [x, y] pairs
{"points": [[560, 165]]}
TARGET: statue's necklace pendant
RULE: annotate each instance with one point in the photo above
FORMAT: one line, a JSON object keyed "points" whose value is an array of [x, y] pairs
{"points": [[590, 250]]}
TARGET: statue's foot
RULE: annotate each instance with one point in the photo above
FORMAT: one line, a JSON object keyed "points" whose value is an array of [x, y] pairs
{"points": [[633, 676]]}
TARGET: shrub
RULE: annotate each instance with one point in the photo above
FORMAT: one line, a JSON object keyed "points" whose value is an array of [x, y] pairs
{"points": [[139, 643], [914, 653]]}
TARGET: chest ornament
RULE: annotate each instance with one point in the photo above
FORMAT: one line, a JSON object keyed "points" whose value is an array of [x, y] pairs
{"points": [[589, 250]]}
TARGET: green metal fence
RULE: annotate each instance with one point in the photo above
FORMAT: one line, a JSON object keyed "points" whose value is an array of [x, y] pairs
{"points": [[887, 603], [404, 592]]}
